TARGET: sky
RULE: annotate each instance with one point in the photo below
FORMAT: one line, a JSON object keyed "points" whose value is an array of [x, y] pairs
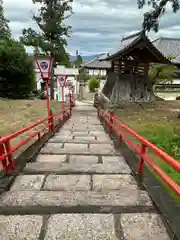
{"points": [[97, 25]]}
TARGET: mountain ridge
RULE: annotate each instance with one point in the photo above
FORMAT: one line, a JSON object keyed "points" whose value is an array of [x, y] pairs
{"points": [[85, 57]]}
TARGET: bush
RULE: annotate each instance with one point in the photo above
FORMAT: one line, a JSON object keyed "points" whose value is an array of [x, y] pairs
{"points": [[178, 98], [41, 95], [17, 76], [93, 83]]}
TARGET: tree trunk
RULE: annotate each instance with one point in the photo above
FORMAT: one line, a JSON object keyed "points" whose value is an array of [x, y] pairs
{"points": [[109, 84], [131, 88]]}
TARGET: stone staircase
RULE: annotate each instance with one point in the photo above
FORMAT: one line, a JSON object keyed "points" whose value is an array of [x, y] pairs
{"points": [[79, 188]]}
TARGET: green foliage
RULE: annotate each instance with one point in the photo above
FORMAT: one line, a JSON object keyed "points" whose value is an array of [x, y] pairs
{"points": [[161, 73], [151, 18], [83, 76], [93, 83], [17, 76], [5, 32], [51, 39], [78, 61], [167, 138], [178, 98], [41, 95]]}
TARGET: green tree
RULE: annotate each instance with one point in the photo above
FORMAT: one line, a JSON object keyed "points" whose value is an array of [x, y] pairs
{"points": [[5, 31], [17, 76], [161, 73], [93, 83], [78, 62], [83, 77], [51, 39], [151, 18]]}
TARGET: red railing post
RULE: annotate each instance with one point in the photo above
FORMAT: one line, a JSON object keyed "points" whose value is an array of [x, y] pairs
{"points": [[111, 122], [9, 156], [51, 122], [39, 136], [141, 161], [4, 162], [120, 138]]}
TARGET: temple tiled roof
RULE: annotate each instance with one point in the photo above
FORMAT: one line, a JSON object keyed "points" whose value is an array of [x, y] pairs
{"points": [[169, 47], [96, 63], [134, 41], [126, 42]]}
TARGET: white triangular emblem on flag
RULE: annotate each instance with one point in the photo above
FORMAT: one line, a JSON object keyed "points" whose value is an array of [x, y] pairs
{"points": [[44, 65]]}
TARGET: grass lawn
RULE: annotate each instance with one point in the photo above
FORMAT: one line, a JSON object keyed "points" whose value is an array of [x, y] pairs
{"points": [[160, 124], [16, 114]]}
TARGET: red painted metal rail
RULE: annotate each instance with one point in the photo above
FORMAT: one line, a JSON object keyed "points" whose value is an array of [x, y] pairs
{"points": [[6, 148], [122, 129]]}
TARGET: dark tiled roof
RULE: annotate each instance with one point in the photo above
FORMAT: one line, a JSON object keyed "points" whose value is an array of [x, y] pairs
{"points": [[96, 63], [170, 47], [128, 44], [126, 41]]}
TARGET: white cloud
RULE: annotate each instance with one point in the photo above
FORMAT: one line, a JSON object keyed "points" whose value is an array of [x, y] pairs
{"points": [[97, 26]]}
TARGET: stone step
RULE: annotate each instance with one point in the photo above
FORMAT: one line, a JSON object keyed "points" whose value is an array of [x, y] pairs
{"points": [[83, 127], [74, 182], [82, 133], [147, 226], [74, 168], [80, 139], [82, 149], [49, 202]]}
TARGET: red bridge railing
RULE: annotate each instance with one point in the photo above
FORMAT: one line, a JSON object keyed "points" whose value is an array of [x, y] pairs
{"points": [[122, 129], [47, 124]]}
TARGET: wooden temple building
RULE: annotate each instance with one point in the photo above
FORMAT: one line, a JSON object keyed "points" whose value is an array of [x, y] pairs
{"points": [[95, 67], [127, 78], [170, 48]]}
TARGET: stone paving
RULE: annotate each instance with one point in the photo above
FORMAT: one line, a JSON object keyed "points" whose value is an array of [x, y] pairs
{"points": [[79, 188]]}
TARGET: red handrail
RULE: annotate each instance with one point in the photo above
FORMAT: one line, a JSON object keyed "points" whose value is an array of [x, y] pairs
{"points": [[110, 118], [23, 130], [5, 147], [155, 149]]}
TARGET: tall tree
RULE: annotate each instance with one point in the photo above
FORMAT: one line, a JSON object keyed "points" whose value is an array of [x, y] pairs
{"points": [[161, 73], [17, 76], [151, 18], [51, 39], [78, 61], [5, 32]]}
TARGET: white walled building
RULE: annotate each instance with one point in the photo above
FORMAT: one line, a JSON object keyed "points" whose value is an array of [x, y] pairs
{"points": [[95, 67], [71, 73]]}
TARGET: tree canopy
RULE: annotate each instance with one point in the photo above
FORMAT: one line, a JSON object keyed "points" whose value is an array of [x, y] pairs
{"points": [[151, 18], [17, 76], [161, 73], [5, 31], [51, 38], [78, 62]]}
